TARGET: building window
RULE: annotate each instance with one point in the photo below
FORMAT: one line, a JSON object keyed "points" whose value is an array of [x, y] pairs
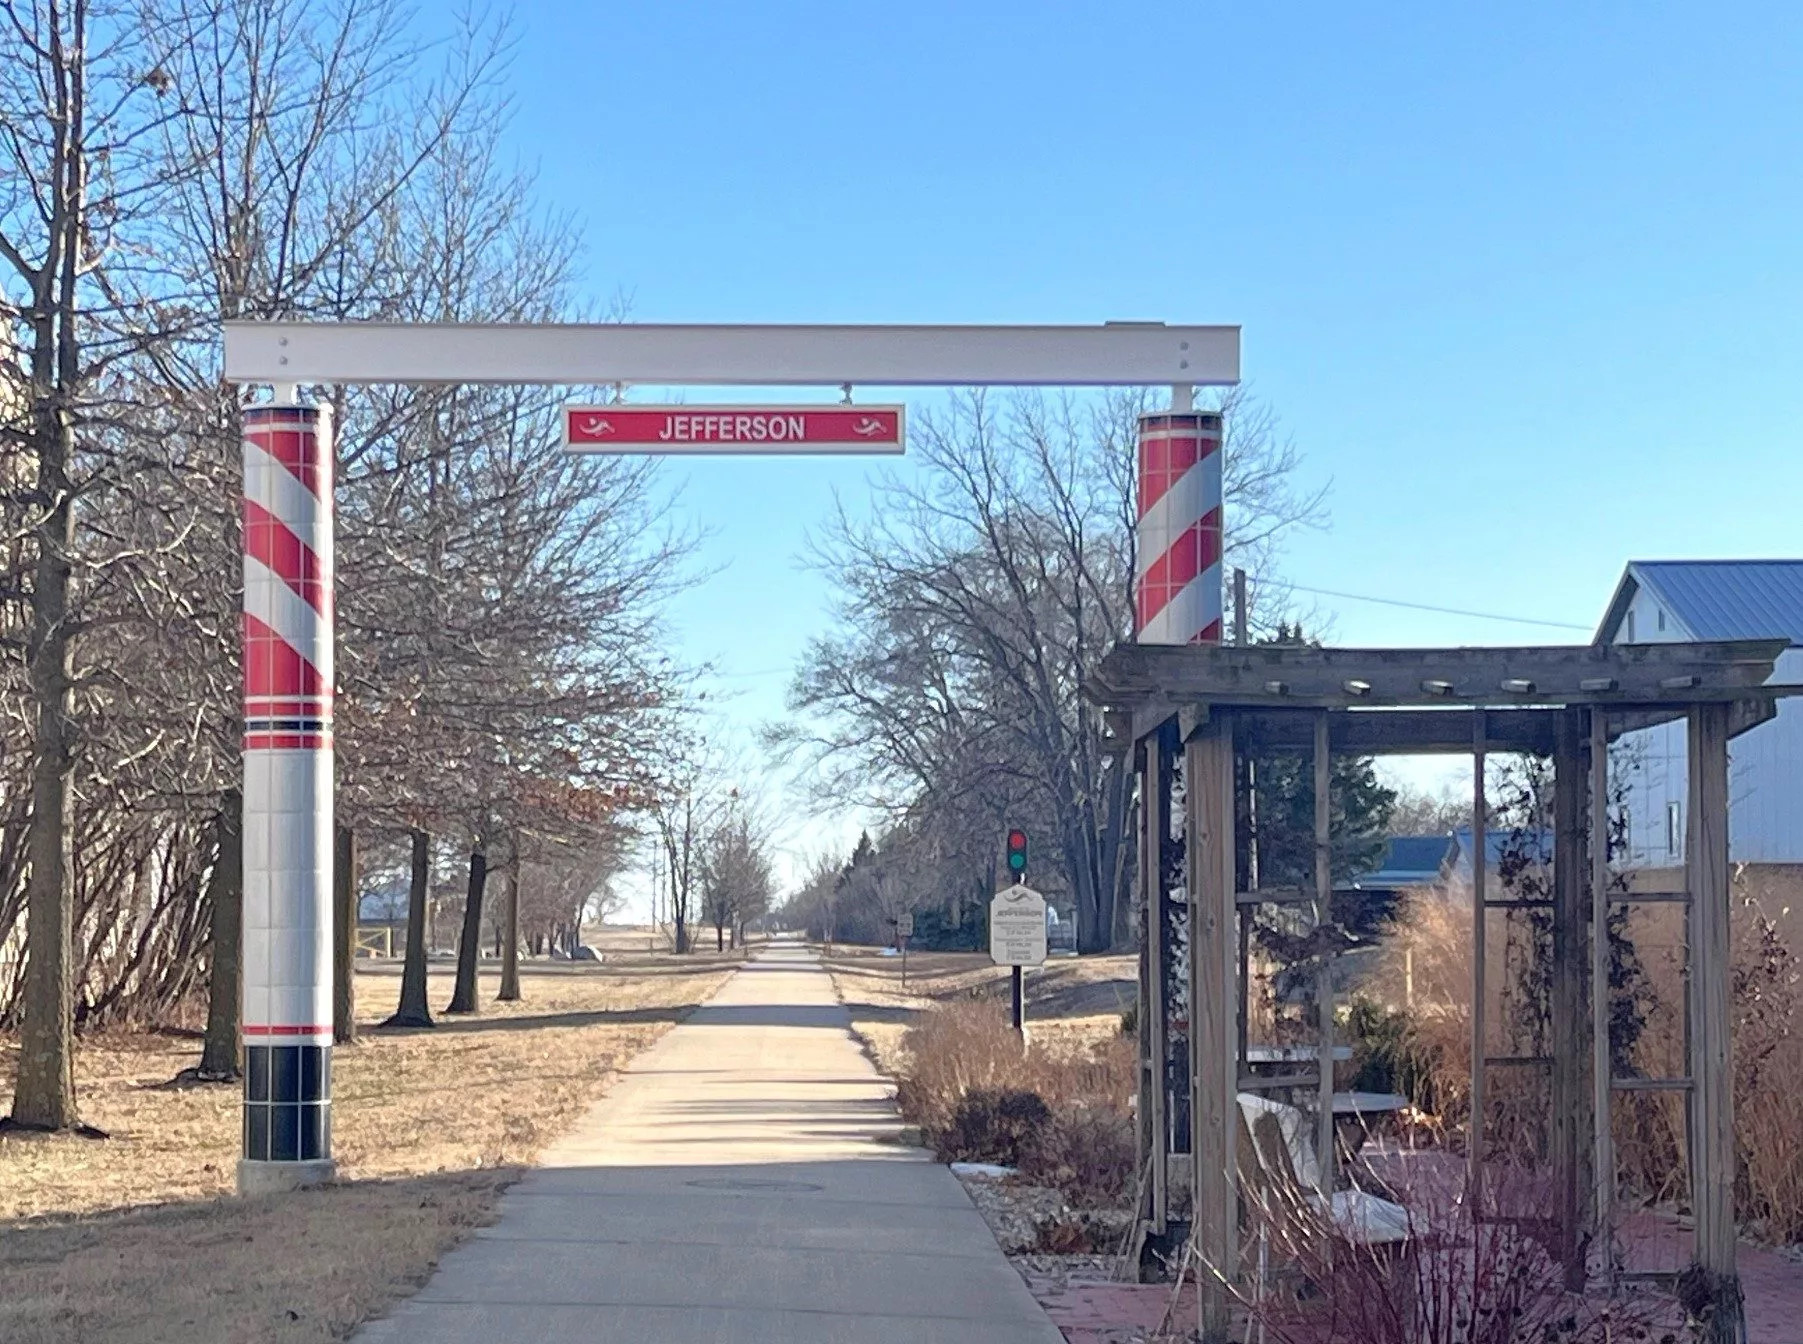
{"points": [[1674, 829], [1630, 627], [1662, 618]]}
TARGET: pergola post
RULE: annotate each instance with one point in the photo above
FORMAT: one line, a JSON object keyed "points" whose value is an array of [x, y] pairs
{"points": [[1323, 913], [1154, 1004], [1480, 1004], [1602, 1067], [1208, 780], [1712, 1090], [1571, 1109]]}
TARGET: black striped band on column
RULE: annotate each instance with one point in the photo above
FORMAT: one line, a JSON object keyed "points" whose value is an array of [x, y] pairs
{"points": [[287, 1103]]}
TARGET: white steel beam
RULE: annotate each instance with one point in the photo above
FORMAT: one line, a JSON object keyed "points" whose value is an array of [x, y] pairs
{"points": [[1114, 354]]}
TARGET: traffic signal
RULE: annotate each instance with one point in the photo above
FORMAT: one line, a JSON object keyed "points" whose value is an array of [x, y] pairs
{"points": [[1017, 853]]}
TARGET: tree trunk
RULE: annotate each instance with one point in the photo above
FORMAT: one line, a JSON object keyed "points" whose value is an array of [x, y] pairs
{"points": [[469, 945], [344, 936], [1123, 872], [44, 1090], [44, 1096], [413, 1011], [510, 937], [225, 899], [1114, 857], [719, 937]]}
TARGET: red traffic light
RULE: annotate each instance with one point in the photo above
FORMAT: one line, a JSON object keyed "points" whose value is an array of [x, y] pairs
{"points": [[1017, 852], [1017, 839]]}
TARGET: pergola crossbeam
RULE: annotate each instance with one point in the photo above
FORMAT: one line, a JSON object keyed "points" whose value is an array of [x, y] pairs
{"points": [[1275, 677]]}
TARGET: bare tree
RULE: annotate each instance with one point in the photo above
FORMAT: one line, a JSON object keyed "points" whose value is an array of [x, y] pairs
{"points": [[737, 875], [169, 164], [974, 599], [78, 107]]}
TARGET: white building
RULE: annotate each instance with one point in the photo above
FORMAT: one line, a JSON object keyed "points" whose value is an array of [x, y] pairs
{"points": [[1668, 600]]}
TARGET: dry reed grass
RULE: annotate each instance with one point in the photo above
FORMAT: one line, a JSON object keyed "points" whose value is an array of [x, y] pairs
{"points": [[1071, 1003], [428, 1128], [967, 1071], [1427, 972]]}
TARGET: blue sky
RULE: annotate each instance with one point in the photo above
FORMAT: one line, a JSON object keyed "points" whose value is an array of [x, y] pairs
{"points": [[1524, 282]]}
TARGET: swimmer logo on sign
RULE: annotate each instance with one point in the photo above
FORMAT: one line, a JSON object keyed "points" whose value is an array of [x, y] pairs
{"points": [[733, 429]]}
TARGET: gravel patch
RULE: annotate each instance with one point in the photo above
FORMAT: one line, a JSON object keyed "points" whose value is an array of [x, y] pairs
{"points": [[1036, 1221]]}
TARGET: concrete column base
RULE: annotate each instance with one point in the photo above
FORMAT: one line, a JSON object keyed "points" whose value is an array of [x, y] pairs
{"points": [[274, 1178]]}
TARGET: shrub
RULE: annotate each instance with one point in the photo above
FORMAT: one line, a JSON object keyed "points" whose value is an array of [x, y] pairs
{"points": [[962, 1057], [1089, 1153], [1456, 1281], [993, 1126]]}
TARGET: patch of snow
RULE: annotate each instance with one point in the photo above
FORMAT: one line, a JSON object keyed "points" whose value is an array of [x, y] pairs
{"points": [[986, 1171]]}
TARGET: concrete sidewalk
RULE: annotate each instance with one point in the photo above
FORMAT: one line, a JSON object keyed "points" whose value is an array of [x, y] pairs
{"points": [[740, 1185]]}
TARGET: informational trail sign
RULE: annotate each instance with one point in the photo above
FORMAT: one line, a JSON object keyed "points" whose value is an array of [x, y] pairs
{"points": [[733, 429], [904, 926], [1017, 927]]}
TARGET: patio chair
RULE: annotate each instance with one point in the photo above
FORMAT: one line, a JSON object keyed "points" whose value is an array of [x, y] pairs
{"points": [[1283, 1164], [1280, 1176]]}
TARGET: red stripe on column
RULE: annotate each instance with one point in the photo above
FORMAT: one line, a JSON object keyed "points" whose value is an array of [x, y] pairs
{"points": [[290, 435], [269, 539], [286, 742], [276, 707], [287, 1031], [274, 667], [1162, 463]]}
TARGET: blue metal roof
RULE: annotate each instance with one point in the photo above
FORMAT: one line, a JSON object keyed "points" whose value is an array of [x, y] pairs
{"points": [[1728, 599], [1409, 861], [1537, 845]]}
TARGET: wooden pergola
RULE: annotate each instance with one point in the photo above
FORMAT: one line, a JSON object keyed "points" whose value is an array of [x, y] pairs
{"points": [[1220, 706]]}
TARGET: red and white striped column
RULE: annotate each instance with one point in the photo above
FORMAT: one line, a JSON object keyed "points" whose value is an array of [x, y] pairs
{"points": [[288, 471], [1177, 573]]}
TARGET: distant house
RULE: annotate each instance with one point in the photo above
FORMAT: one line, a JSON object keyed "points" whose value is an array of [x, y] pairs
{"points": [[1413, 862], [1671, 600], [1409, 861]]}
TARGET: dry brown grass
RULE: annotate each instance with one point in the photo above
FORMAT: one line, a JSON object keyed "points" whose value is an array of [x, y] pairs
{"points": [[963, 1047], [428, 1127], [1648, 1128], [1074, 1001], [947, 1041], [967, 1074]]}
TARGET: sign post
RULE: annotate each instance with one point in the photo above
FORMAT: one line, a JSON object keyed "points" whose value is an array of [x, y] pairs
{"points": [[904, 930], [1017, 936]]}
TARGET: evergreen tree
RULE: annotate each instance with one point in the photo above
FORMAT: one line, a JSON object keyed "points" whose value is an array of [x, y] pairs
{"points": [[1359, 806]]}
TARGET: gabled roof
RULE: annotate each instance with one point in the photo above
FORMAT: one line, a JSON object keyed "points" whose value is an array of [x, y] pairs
{"points": [[1716, 599], [1534, 845]]}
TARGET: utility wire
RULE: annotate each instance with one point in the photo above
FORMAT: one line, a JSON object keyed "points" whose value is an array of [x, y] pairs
{"points": [[1444, 611]]}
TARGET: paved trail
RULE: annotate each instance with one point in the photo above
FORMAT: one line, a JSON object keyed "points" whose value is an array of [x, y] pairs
{"points": [[739, 1185]]}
